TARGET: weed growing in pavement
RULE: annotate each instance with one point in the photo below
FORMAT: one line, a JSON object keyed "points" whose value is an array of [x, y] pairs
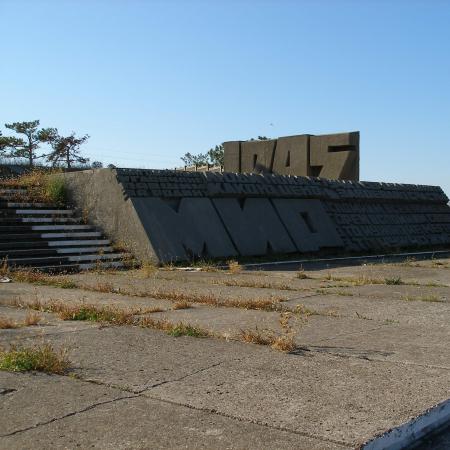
{"points": [[305, 312], [254, 284], [7, 323], [32, 319], [148, 269], [234, 266], [301, 275], [423, 298], [176, 330], [41, 358], [83, 311], [36, 277], [393, 281], [4, 269], [390, 321], [365, 280], [182, 304]]}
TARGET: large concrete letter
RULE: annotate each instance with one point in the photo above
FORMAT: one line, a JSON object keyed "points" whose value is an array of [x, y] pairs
{"points": [[254, 227], [308, 224], [335, 156], [292, 156], [182, 228], [232, 156], [257, 156]]}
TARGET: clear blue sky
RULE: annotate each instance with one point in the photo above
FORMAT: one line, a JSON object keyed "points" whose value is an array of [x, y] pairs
{"points": [[150, 80]]}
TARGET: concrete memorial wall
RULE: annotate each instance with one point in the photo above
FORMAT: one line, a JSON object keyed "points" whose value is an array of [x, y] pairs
{"points": [[333, 156], [166, 216]]}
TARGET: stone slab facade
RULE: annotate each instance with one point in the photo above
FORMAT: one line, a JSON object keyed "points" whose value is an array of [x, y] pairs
{"points": [[165, 216]]}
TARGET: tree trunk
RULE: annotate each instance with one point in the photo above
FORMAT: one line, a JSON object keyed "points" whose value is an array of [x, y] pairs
{"points": [[68, 160]]}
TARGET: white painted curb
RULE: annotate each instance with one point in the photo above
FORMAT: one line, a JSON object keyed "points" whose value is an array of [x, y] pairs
{"points": [[403, 436]]}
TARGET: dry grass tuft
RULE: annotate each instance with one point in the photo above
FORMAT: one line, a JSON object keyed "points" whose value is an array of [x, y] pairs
{"points": [[36, 277], [42, 358], [6, 323], [255, 284], [393, 281], [31, 319], [363, 280], [104, 287], [234, 266], [176, 330], [148, 269], [423, 298], [182, 304], [4, 269], [301, 275], [256, 336], [41, 185], [284, 344]]}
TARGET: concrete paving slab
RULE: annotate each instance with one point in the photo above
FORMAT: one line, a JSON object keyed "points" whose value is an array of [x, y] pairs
{"points": [[422, 275], [29, 400], [369, 361], [296, 391], [408, 344], [343, 400], [26, 292], [388, 310], [142, 423], [392, 292]]}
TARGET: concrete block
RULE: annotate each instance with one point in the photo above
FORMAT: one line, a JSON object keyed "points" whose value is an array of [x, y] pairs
{"points": [[308, 224], [335, 156], [184, 228], [257, 156], [232, 156], [292, 156], [254, 226]]}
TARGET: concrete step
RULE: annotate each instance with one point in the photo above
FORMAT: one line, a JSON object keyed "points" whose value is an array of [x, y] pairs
{"points": [[40, 243], [23, 227], [48, 212], [71, 235], [21, 220], [11, 191], [102, 265], [52, 251], [85, 266], [76, 242], [60, 227], [54, 260], [36, 235], [97, 257], [37, 261], [23, 205], [11, 212]]}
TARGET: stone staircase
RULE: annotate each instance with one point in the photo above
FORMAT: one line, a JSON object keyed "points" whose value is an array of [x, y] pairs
{"points": [[49, 237]]}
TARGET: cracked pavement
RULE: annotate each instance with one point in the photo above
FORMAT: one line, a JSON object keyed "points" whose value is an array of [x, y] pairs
{"points": [[379, 360]]}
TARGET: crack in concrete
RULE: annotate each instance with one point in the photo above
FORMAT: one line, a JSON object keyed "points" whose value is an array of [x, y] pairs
{"points": [[203, 369], [73, 413], [344, 444], [144, 394], [6, 391]]}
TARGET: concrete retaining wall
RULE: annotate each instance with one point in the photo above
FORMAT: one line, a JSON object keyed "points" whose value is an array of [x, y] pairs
{"points": [[166, 216]]}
